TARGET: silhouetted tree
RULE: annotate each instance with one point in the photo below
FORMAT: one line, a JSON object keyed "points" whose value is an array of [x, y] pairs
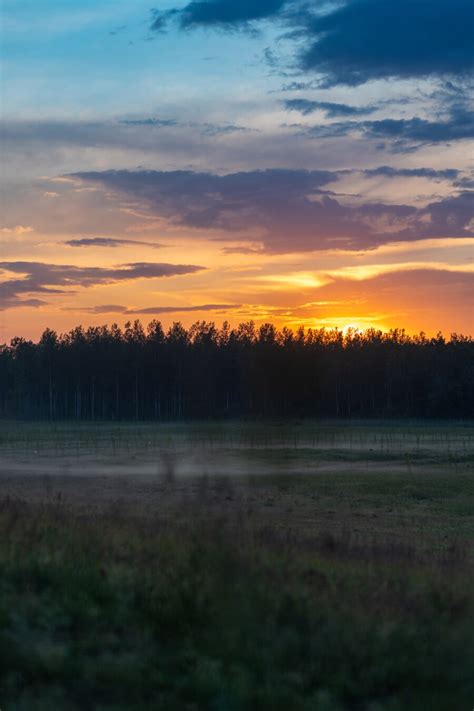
{"points": [[204, 372]]}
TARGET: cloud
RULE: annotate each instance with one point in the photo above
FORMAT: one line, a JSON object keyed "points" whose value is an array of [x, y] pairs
{"points": [[224, 14], [211, 129], [111, 242], [90, 211], [460, 126], [14, 303], [288, 208], [403, 132], [81, 133], [134, 133], [154, 310], [104, 309], [206, 128], [300, 85], [17, 230], [331, 110], [118, 30], [149, 122], [362, 40], [354, 41], [465, 183], [184, 309], [386, 171], [243, 250], [40, 277]]}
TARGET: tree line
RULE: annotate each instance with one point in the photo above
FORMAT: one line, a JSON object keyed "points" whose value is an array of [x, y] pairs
{"points": [[109, 373]]}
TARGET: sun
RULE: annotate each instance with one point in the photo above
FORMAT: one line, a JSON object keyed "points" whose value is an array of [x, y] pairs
{"points": [[354, 327]]}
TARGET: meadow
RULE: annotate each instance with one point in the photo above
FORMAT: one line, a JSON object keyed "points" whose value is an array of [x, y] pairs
{"points": [[250, 565]]}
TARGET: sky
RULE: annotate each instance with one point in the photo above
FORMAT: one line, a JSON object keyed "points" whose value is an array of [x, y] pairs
{"points": [[304, 163]]}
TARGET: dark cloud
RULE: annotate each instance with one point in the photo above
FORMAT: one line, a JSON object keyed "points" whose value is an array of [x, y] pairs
{"points": [[40, 277], [403, 132], [356, 41], [208, 129], [149, 122], [453, 216], [465, 183], [225, 14], [306, 107], [287, 207], [377, 39], [109, 242], [184, 309], [460, 126], [13, 302], [118, 30], [300, 85], [104, 309], [386, 171], [212, 129], [114, 308]]}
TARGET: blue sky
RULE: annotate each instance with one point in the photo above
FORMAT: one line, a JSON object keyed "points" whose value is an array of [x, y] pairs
{"points": [[102, 60], [309, 162]]}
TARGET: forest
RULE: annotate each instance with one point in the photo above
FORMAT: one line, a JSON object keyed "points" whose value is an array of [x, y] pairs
{"points": [[110, 373]]}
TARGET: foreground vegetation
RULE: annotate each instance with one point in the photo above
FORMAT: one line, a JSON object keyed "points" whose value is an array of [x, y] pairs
{"points": [[323, 592]]}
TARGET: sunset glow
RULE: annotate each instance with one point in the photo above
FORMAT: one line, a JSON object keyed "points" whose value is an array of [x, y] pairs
{"points": [[184, 164]]}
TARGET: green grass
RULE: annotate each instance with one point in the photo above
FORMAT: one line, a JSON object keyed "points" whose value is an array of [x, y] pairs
{"points": [[334, 574], [115, 612], [375, 436]]}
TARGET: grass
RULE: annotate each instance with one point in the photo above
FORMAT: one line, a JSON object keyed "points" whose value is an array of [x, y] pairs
{"points": [[372, 436], [341, 590], [134, 614]]}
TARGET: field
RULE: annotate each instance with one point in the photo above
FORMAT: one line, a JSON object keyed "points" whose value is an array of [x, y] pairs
{"points": [[237, 566]]}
